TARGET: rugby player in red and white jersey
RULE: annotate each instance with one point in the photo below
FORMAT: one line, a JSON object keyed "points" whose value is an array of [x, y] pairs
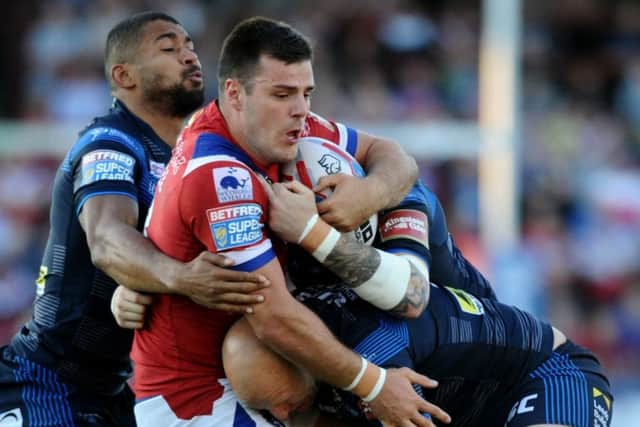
{"points": [[211, 197]]}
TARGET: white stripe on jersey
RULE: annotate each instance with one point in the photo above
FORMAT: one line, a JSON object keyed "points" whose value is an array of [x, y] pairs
{"points": [[156, 411], [241, 256], [201, 161], [344, 136]]}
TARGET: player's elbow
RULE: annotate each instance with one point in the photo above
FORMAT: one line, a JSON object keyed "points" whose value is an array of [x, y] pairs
{"points": [[273, 330], [101, 251], [99, 254], [270, 332], [412, 170]]}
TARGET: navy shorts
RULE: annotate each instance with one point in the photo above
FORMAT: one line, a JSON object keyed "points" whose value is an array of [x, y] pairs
{"points": [[32, 395], [570, 388]]}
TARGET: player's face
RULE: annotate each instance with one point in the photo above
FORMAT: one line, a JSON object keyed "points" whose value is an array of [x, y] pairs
{"points": [[298, 396], [168, 70], [275, 108]]}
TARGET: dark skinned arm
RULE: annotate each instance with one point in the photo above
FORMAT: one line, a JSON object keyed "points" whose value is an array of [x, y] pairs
{"points": [[123, 253]]}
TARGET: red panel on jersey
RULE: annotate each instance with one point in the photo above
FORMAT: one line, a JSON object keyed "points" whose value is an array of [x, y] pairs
{"points": [[406, 224]]}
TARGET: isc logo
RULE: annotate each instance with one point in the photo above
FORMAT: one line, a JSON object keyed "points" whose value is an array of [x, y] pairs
{"points": [[523, 406]]}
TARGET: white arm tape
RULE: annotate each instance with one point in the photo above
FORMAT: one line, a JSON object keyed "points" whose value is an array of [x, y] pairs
{"points": [[388, 285], [307, 228], [377, 388], [356, 380], [327, 245]]}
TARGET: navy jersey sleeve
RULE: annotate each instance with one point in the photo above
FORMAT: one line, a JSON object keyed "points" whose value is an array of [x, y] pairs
{"points": [[104, 161], [405, 228], [402, 229], [450, 267]]}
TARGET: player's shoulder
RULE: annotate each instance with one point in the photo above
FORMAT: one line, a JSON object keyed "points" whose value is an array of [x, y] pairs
{"points": [[105, 139]]}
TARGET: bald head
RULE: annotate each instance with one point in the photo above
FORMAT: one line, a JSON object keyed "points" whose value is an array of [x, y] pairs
{"points": [[260, 377]]}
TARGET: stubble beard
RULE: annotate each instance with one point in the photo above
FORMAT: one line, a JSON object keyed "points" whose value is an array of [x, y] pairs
{"points": [[173, 101]]}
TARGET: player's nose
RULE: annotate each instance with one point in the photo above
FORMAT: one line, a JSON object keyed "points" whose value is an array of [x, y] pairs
{"points": [[300, 107], [190, 57]]}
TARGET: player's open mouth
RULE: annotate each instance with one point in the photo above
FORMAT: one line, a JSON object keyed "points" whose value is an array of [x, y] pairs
{"points": [[294, 135]]}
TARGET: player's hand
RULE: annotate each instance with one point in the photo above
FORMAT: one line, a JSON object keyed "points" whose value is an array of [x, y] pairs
{"points": [[352, 202], [291, 205], [129, 307], [399, 405], [209, 282]]}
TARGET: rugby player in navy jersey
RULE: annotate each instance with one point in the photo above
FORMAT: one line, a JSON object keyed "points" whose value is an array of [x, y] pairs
{"points": [[495, 364], [69, 365]]}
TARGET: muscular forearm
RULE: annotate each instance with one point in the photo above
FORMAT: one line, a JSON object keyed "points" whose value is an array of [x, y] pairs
{"points": [[130, 259], [299, 335], [356, 263], [392, 171]]}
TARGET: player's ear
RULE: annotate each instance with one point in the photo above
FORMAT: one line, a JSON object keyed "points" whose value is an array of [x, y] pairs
{"points": [[235, 94], [122, 76]]}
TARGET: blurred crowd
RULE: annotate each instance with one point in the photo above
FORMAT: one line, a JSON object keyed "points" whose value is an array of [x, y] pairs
{"points": [[577, 263]]}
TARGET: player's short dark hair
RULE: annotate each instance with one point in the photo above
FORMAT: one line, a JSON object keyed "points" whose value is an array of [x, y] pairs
{"points": [[258, 36], [125, 37]]}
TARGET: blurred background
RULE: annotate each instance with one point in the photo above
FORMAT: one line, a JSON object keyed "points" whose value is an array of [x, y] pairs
{"points": [[565, 203]]}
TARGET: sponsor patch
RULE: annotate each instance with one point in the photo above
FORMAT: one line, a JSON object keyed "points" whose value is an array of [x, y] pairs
{"points": [[232, 184], [235, 226], [467, 302], [12, 418], [106, 165], [405, 224], [601, 408], [156, 168], [41, 280]]}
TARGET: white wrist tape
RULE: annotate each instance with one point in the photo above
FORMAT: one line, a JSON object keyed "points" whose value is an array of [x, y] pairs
{"points": [[418, 263], [307, 228], [356, 380], [377, 388], [327, 245], [388, 285]]}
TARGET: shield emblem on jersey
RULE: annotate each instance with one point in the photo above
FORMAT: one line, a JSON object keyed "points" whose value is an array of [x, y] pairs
{"points": [[221, 236]]}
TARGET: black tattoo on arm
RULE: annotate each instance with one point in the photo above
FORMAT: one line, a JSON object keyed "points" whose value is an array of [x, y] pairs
{"points": [[355, 263], [352, 261], [416, 298]]}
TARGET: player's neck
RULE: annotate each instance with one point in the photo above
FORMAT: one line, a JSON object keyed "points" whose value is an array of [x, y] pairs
{"points": [[236, 127], [167, 127]]}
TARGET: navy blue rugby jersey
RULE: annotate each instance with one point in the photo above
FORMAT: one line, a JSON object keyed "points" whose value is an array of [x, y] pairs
{"points": [[478, 349], [418, 226], [72, 331]]}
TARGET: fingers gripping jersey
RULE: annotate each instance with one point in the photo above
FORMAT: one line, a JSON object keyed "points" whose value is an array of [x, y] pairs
{"points": [[210, 198], [416, 226]]}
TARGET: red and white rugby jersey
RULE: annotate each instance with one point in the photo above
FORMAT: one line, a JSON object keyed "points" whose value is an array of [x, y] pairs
{"points": [[209, 198], [338, 133]]}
